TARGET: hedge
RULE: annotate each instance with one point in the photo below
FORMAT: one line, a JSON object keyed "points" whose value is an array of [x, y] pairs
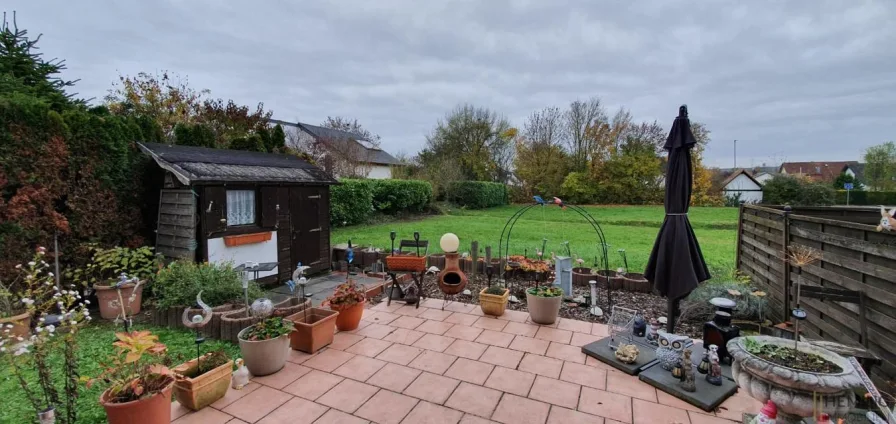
{"points": [[869, 198], [351, 202], [393, 196], [355, 201], [477, 194]]}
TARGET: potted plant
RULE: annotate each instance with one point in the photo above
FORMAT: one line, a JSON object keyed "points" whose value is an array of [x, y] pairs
{"points": [[14, 316], [544, 303], [121, 299], [493, 300], [202, 381], [117, 275], [139, 386], [313, 327], [265, 345], [348, 299]]}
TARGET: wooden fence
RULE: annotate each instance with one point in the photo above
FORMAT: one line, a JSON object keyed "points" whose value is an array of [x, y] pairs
{"points": [[854, 256]]}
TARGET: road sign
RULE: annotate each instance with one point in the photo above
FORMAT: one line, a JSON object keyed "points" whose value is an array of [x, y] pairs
{"points": [[848, 186]]}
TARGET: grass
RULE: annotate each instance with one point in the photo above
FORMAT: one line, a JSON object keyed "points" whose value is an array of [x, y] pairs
{"points": [[633, 228], [95, 345]]}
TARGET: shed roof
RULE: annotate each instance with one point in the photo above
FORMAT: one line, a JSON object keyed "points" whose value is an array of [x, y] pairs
{"points": [[738, 172], [193, 165]]}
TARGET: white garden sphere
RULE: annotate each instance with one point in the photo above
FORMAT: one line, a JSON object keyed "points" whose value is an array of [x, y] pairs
{"points": [[449, 243]]}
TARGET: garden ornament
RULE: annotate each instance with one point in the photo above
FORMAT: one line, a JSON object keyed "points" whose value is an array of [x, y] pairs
{"points": [[652, 337], [714, 376], [887, 220], [688, 383], [669, 350], [539, 200], [433, 270], [767, 415], [201, 319], [559, 202], [627, 353], [262, 308], [240, 376]]}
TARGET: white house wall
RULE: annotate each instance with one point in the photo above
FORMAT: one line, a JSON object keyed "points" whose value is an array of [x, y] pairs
{"points": [[750, 192], [266, 251], [380, 172]]}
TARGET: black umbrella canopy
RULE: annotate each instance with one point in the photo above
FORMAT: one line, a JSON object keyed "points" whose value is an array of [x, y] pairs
{"points": [[676, 264]]}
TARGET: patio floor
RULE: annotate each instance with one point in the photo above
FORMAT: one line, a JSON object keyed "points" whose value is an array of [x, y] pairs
{"points": [[426, 365]]}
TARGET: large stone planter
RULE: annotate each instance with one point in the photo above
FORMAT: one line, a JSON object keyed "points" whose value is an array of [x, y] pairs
{"points": [[264, 357], [793, 390], [543, 310]]}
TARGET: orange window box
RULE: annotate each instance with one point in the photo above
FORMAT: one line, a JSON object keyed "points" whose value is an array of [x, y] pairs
{"points": [[239, 240]]}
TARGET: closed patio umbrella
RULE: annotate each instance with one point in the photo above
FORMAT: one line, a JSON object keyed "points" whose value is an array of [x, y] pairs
{"points": [[676, 264]]}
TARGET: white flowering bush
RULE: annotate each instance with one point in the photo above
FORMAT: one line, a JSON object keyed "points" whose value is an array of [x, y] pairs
{"points": [[58, 313]]}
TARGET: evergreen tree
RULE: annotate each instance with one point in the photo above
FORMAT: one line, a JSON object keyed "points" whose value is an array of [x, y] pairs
{"points": [[278, 139]]}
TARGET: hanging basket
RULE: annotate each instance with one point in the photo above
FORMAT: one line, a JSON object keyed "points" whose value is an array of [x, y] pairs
{"points": [[407, 263]]}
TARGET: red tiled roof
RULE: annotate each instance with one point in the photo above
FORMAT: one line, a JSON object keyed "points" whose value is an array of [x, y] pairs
{"points": [[818, 171]]}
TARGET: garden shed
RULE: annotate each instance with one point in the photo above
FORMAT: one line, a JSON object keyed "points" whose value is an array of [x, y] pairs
{"points": [[221, 205]]}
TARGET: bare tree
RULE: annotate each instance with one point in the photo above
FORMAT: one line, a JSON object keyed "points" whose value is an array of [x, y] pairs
{"points": [[351, 125], [579, 117], [546, 126]]}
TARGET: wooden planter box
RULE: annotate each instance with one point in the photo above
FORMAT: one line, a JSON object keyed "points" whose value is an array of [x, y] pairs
{"points": [[235, 321], [581, 276], [437, 260], [410, 263], [198, 392], [291, 306], [636, 282], [239, 240]]}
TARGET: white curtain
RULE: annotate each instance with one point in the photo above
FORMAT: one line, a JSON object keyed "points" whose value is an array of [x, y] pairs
{"points": [[240, 207]]}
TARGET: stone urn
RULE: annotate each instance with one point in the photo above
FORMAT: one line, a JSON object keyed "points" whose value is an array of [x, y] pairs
{"points": [[793, 390]]}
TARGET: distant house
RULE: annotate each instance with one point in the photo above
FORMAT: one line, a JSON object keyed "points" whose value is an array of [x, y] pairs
{"points": [[855, 170], [742, 183], [817, 171], [341, 153], [763, 177]]}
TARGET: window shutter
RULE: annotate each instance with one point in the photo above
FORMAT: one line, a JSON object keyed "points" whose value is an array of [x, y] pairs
{"points": [[214, 208], [269, 207]]}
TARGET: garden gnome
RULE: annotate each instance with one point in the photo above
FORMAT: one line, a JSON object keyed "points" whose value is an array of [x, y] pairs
{"points": [[240, 376], [887, 220], [687, 381], [767, 415], [651, 331], [714, 376]]}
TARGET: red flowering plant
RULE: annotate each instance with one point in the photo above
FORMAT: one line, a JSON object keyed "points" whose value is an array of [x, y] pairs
{"points": [[347, 294], [137, 369]]}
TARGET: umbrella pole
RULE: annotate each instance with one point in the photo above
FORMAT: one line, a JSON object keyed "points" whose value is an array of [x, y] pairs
{"points": [[673, 310]]}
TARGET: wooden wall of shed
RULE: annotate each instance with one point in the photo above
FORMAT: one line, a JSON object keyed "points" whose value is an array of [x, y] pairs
{"points": [[854, 257], [177, 220]]}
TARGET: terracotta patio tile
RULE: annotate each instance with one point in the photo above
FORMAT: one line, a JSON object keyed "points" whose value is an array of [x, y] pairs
{"points": [[312, 385], [463, 332], [500, 356], [599, 329], [472, 419], [626, 385], [432, 303], [461, 307], [465, 349], [510, 381], [541, 365], [296, 411], [667, 399], [651, 413], [404, 336], [581, 339], [409, 310], [434, 342], [605, 404], [394, 377], [280, 379], [476, 311], [495, 338], [236, 421], [360, 368], [233, 395], [435, 327], [369, 347], [461, 318], [178, 410], [519, 410], [204, 416], [432, 361], [574, 325], [343, 340], [515, 316], [554, 325], [554, 335], [408, 322], [375, 331], [470, 371], [566, 352], [521, 329], [336, 417], [297, 357], [387, 308], [566, 416], [734, 407], [702, 418], [400, 354], [490, 323], [348, 395], [328, 360], [257, 404], [381, 317], [591, 362], [555, 392], [429, 413], [474, 399], [386, 407], [530, 345], [361, 324], [435, 314], [432, 388], [584, 375]]}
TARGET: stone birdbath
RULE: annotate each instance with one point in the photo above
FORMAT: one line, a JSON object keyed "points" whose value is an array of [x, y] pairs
{"points": [[793, 390]]}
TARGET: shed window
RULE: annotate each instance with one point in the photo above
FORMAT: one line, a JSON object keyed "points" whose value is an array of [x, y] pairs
{"points": [[240, 207]]}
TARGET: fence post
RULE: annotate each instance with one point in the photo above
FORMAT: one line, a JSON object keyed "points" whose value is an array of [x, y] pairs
{"points": [[474, 255], [786, 244], [740, 230], [488, 259]]}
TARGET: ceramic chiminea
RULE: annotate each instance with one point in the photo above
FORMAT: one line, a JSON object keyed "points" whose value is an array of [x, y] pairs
{"points": [[451, 280], [719, 331]]}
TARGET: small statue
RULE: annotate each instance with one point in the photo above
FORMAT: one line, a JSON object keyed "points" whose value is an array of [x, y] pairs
{"points": [[627, 353], [651, 336], [715, 370], [639, 327], [240, 376], [687, 378], [703, 368], [669, 350]]}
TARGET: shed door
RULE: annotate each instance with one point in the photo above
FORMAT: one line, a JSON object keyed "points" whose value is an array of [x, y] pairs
{"points": [[304, 207]]}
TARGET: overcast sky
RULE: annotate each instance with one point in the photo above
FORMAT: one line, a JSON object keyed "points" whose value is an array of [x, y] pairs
{"points": [[795, 80]]}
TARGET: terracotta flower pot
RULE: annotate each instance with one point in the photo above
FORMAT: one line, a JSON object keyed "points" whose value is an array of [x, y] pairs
{"points": [[21, 325], [493, 304], [155, 409], [349, 317], [411, 263], [314, 329], [198, 392], [110, 306], [264, 357], [543, 310]]}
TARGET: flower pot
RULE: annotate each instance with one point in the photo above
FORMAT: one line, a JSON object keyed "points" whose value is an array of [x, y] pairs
{"points": [[493, 304], [543, 310], [349, 317], [452, 280], [635, 282], [21, 325], [314, 329], [615, 279], [263, 357], [581, 276], [243, 239], [410, 263], [110, 305], [198, 392], [155, 409]]}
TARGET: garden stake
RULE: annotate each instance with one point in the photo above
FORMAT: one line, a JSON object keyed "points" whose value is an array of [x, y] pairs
{"points": [[488, 273], [624, 259], [544, 244], [568, 252], [392, 236], [417, 242]]}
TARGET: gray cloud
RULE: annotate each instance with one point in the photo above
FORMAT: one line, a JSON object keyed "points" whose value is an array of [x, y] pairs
{"points": [[789, 80]]}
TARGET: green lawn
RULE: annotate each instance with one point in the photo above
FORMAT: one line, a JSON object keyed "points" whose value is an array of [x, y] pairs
{"points": [[633, 228], [95, 344]]}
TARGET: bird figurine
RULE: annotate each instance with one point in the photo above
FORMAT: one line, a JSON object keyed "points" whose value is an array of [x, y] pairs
{"points": [[240, 376], [887, 220], [433, 270], [559, 202], [539, 200]]}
